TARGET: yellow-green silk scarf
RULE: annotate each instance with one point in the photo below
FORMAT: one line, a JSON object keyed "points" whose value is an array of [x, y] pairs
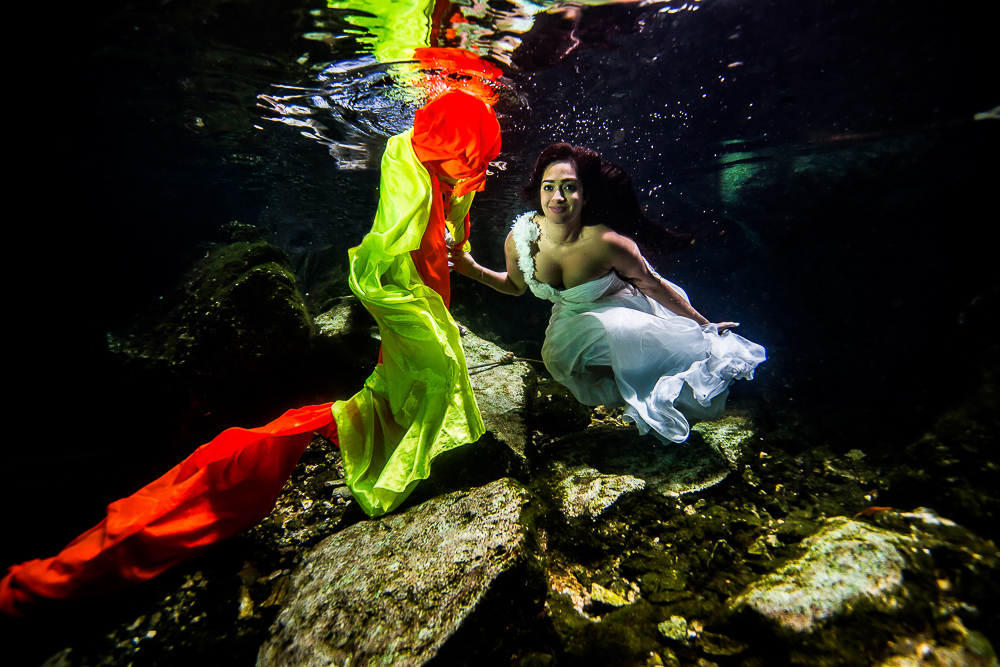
{"points": [[418, 402]]}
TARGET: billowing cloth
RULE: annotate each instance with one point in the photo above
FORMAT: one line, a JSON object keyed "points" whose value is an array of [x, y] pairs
{"points": [[665, 369], [221, 489], [419, 402], [455, 136]]}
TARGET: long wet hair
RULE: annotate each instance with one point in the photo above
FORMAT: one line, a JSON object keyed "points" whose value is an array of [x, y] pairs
{"points": [[609, 197]]}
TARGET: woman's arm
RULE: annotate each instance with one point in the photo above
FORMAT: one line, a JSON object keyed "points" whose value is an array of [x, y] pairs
{"points": [[624, 257], [510, 281]]}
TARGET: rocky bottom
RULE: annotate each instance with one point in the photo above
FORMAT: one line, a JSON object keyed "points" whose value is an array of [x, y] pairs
{"points": [[564, 538], [611, 550]]}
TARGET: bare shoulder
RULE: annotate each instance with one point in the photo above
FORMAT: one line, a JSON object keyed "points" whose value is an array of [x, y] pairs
{"points": [[515, 276], [613, 243], [622, 254], [509, 245]]}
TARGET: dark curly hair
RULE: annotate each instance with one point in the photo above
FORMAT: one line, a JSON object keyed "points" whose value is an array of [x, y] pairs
{"points": [[608, 194], [586, 162]]}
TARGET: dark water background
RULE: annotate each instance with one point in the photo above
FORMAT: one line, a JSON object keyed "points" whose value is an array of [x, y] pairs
{"points": [[859, 251]]}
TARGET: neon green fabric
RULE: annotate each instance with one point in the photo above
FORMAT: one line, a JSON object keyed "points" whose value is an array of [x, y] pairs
{"points": [[397, 27], [419, 402]]}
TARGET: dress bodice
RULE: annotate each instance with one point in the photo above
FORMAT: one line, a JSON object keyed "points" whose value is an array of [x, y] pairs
{"points": [[666, 369], [526, 232]]}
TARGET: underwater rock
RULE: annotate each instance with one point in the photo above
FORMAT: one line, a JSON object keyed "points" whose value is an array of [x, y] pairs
{"points": [[954, 466], [394, 590], [311, 505], [732, 436], [848, 564], [716, 644], [348, 324], [674, 628], [601, 595], [669, 470], [857, 586], [556, 412], [347, 339], [501, 390], [237, 312], [585, 492], [229, 345], [951, 644]]}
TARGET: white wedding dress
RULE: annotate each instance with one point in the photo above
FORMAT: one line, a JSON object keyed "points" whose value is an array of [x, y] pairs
{"points": [[667, 369]]}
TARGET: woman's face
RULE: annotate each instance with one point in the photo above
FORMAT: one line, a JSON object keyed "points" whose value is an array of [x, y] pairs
{"points": [[561, 193]]}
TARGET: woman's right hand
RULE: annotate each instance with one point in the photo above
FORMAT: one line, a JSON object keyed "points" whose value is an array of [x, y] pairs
{"points": [[461, 261]]}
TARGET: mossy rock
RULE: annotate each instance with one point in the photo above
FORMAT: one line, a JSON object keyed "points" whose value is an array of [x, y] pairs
{"points": [[237, 314]]}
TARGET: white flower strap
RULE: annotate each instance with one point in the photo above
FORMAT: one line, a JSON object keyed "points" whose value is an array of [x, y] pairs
{"points": [[526, 232]]}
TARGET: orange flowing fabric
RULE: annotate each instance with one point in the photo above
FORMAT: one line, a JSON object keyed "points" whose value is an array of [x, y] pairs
{"points": [[457, 150], [231, 483], [223, 488]]}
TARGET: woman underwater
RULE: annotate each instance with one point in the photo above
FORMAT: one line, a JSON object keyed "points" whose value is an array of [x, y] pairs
{"points": [[619, 335]]}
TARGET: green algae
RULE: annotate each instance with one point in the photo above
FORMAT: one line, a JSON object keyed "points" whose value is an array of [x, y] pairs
{"points": [[238, 307]]}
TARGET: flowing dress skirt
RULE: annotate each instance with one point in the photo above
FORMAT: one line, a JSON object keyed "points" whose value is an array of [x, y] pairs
{"points": [[611, 345]]}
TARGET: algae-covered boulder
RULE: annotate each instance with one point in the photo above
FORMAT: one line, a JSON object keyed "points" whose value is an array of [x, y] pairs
{"points": [[556, 411], [583, 492], [733, 436], [847, 564], [954, 466], [704, 460], [857, 586], [231, 344], [395, 590], [502, 387], [238, 311], [347, 324]]}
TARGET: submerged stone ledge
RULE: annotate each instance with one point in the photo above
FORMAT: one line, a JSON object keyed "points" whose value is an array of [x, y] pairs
{"points": [[392, 591], [846, 563]]}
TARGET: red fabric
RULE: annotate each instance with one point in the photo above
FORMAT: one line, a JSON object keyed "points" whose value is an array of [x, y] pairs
{"points": [[431, 258], [457, 136], [447, 70], [232, 482], [223, 488]]}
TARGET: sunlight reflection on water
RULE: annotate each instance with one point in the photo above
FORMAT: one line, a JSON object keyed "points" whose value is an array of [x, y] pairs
{"points": [[360, 98]]}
